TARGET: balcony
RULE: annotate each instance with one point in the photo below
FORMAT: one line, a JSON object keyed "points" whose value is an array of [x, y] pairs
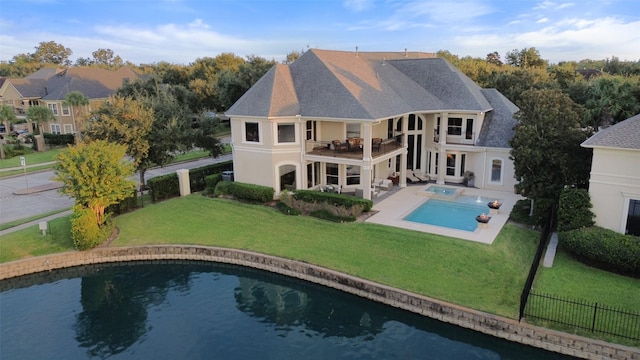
{"points": [[468, 138], [350, 149]]}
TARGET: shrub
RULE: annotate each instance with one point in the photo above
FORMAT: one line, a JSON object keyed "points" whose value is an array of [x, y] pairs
{"points": [[85, 231], [164, 187], [285, 209], [222, 188], [574, 209], [250, 192], [603, 248], [328, 215], [125, 205], [197, 176], [346, 201], [520, 212], [58, 139], [210, 183], [541, 210]]}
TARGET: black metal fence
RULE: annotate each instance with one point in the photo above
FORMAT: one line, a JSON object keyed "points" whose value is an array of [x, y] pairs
{"points": [[593, 317]]}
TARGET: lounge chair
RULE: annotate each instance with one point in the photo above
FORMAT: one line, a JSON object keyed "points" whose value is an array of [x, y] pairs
{"points": [[339, 146], [420, 175], [412, 178], [375, 144]]}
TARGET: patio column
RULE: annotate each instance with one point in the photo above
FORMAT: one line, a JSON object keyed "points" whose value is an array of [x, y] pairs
{"points": [[365, 168]]}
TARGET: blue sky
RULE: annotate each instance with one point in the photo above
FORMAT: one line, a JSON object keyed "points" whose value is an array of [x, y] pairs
{"points": [[181, 31]]}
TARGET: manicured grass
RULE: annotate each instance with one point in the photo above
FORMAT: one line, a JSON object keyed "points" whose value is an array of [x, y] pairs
{"points": [[467, 273], [31, 159], [30, 242], [572, 279], [29, 219]]}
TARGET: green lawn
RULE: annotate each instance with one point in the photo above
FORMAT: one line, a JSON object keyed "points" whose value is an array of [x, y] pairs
{"points": [[479, 276]]}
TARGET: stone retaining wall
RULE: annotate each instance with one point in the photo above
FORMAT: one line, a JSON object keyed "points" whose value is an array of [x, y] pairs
{"points": [[450, 313]]}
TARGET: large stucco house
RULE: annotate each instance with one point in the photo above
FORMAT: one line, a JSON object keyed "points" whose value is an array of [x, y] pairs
{"points": [[348, 118], [49, 86], [614, 184]]}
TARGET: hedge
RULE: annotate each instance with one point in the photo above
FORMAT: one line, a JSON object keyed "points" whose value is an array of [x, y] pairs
{"points": [[58, 139], [574, 209], [335, 199], [243, 191], [603, 248], [167, 186]]}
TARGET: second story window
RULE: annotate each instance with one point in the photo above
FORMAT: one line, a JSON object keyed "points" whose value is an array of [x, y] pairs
{"points": [[454, 126], [53, 108], [286, 133], [252, 132], [65, 110]]}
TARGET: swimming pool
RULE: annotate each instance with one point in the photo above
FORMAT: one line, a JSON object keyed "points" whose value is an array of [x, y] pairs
{"points": [[441, 190], [458, 214]]}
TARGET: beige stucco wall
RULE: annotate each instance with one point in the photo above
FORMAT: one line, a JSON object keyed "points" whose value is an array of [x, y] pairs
{"points": [[615, 178]]}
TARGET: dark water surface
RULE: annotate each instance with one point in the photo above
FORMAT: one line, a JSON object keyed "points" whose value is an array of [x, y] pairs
{"points": [[195, 310]]}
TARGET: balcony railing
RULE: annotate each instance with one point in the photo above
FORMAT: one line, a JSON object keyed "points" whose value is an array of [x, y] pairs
{"points": [[350, 149]]}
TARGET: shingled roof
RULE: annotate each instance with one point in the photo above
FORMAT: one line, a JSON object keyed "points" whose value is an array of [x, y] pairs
{"points": [[361, 86], [623, 135], [55, 84]]}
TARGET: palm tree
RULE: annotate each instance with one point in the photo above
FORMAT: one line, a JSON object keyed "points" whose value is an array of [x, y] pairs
{"points": [[7, 116], [78, 102], [39, 115]]}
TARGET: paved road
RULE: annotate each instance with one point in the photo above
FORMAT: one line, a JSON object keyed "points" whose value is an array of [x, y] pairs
{"points": [[15, 207]]}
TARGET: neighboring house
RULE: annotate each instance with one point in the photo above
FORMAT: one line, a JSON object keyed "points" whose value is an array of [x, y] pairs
{"points": [[49, 87], [347, 118], [614, 184]]}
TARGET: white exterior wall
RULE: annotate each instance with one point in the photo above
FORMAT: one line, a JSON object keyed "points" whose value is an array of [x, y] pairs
{"points": [[614, 180]]}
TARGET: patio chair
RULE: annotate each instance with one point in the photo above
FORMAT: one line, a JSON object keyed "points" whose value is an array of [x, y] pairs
{"points": [[376, 143], [412, 178], [386, 185], [376, 183], [339, 146], [420, 175]]}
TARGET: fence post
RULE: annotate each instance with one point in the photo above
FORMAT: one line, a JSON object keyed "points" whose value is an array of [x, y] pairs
{"points": [[593, 323]]}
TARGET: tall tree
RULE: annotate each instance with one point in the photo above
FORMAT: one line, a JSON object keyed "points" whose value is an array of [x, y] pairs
{"points": [[546, 147], [105, 57], [494, 58], [39, 115], [124, 121], [611, 99], [78, 103], [95, 174], [525, 58], [51, 52], [8, 117]]}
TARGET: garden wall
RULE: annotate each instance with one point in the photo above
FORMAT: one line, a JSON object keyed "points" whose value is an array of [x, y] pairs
{"points": [[450, 313]]}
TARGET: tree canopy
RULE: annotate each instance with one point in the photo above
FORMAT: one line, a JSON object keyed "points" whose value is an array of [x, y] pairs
{"points": [[546, 147], [95, 174], [39, 115]]}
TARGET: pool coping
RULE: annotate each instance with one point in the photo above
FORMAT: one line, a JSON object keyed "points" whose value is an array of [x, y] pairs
{"points": [[392, 211], [486, 323]]}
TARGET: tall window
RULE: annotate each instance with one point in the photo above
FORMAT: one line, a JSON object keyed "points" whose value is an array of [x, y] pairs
{"points": [[353, 174], [55, 128], [633, 218], [65, 110], [286, 133], [469, 129], [53, 108], [332, 174], [252, 132], [311, 130], [454, 126], [496, 170], [451, 164], [68, 129]]}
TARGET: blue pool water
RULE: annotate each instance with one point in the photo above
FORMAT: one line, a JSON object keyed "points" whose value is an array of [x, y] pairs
{"points": [[459, 214], [442, 190]]}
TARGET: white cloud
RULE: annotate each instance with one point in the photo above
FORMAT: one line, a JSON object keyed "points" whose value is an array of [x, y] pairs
{"points": [[543, 20], [357, 5]]}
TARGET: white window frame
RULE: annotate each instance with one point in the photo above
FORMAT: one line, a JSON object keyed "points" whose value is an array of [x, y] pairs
{"points": [[501, 180], [276, 133], [55, 128], [67, 128], [244, 132], [66, 110], [53, 108]]}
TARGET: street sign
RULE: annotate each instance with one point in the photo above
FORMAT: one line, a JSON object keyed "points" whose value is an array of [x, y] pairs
{"points": [[23, 162]]}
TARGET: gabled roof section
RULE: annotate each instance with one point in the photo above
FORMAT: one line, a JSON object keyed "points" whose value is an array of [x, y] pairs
{"points": [[623, 135], [273, 96], [498, 126]]}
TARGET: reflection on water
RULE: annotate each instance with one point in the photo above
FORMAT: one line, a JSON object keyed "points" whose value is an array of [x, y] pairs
{"points": [[202, 310]]}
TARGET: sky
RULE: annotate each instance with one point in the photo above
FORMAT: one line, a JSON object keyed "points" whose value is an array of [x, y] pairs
{"points": [[182, 31]]}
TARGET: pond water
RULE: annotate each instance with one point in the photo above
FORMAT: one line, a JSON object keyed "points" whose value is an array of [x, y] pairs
{"points": [[196, 310]]}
